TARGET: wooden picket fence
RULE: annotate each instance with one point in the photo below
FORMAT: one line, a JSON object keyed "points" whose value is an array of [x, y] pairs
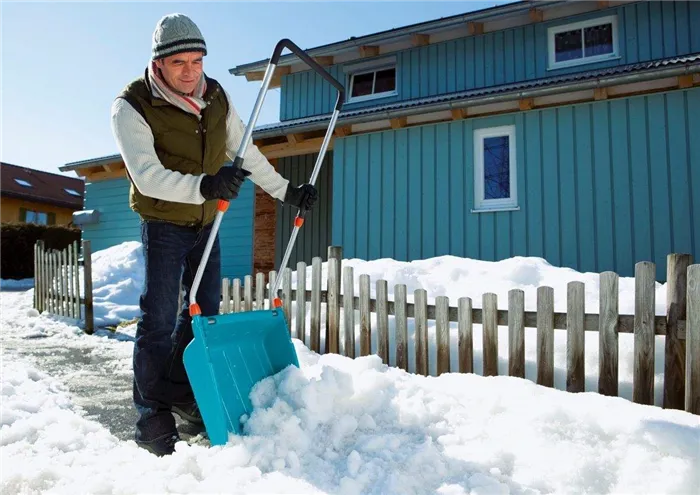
{"points": [[57, 282], [680, 325]]}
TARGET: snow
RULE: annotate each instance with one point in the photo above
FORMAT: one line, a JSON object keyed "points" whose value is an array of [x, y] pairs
{"points": [[338, 425]]}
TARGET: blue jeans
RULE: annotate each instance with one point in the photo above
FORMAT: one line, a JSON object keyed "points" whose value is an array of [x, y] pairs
{"points": [[172, 255]]}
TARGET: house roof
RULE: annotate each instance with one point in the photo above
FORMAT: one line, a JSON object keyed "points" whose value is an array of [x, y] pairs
{"points": [[41, 187], [390, 35], [91, 162], [656, 69]]}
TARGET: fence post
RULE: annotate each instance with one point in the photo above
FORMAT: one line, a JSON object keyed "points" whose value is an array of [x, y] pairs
{"points": [[575, 337], [335, 257], [692, 341], [516, 333], [348, 312], [333, 298], [301, 301], [674, 356], [365, 317], [87, 281], [76, 279], [608, 337], [315, 319], [644, 323]]}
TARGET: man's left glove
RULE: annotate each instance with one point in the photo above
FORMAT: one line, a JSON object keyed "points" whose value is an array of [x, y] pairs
{"points": [[302, 197]]}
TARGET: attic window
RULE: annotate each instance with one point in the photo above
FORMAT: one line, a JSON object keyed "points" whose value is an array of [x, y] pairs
{"points": [[72, 192], [23, 182], [584, 42], [376, 80]]}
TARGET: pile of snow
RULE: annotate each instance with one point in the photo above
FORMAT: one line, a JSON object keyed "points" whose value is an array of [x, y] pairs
{"points": [[117, 280], [346, 427]]}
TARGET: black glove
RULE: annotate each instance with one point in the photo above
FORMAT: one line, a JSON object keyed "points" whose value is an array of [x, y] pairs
{"points": [[225, 184], [302, 197]]}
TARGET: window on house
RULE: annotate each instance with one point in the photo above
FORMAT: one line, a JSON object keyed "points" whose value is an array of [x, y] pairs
{"points": [[23, 182], [495, 168], [72, 192], [33, 216], [374, 80], [583, 42]]}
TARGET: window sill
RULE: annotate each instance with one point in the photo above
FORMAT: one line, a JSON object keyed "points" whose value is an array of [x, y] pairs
{"points": [[495, 209], [583, 61], [379, 96]]}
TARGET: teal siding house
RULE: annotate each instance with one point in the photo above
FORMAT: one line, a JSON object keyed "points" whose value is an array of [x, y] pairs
{"points": [[563, 130]]}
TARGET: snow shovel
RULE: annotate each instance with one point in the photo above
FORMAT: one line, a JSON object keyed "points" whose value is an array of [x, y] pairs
{"points": [[232, 352]]}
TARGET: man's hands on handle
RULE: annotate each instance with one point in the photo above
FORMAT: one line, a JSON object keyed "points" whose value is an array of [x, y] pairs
{"points": [[226, 184], [302, 197]]}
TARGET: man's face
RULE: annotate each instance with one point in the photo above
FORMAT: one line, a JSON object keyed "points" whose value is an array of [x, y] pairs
{"points": [[182, 71]]}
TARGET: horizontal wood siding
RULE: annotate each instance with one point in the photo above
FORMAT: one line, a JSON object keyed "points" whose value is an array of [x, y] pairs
{"points": [[118, 223], [646, 31], [600, 186], [236, 234], [315, 236]]}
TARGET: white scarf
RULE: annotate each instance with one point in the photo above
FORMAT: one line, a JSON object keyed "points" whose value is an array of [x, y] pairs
{"points": [[192, 103]]}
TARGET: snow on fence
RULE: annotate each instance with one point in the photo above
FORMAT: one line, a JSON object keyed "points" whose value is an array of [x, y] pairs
{"points": [[57, 280], [680, 325]]}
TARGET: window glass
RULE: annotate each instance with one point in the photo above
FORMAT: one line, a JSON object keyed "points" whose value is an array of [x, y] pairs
{"points": [[496, 167]]}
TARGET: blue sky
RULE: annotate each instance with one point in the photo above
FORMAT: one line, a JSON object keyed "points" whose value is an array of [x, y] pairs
{"points": [[63, 63]]}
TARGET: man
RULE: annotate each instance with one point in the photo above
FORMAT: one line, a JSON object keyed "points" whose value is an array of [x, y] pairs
{"points": [[175, 128]]}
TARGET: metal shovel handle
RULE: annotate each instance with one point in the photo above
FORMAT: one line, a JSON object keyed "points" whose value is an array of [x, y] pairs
{"points": [[223, 205]]}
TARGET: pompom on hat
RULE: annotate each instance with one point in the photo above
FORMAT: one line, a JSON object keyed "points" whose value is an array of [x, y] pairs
{"points": [[176, 33]]}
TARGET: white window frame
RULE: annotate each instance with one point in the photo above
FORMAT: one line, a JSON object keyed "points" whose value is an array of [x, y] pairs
{"points": [[552, 31], [481, 204], [365, 68]]}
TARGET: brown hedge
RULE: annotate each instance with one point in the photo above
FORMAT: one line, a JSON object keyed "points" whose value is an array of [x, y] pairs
{"points": [[17, 245]]}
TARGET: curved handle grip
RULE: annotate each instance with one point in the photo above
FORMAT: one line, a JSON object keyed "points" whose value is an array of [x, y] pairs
{"points": [[286, 43]]}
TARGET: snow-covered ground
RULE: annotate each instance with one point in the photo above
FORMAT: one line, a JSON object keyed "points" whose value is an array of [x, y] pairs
{"points": [[334, 425]]}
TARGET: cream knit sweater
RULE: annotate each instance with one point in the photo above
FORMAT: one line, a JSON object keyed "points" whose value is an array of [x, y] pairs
{"points": [[135, 142]]}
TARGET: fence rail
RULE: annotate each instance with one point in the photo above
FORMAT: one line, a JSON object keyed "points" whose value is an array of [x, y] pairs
{"points": [[680, 325], [57, 282]]}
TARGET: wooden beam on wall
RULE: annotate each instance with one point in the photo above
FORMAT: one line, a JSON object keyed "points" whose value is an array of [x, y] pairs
{"points": [[685, 81], [536, 15], [278, 150], [603, 4], [475, 28], [324, 61], [343, 131], [526, 103], [459, 113], [369, 51], [260, 74], [600, 94], [398, 123], [104, 175], [418, 39]]}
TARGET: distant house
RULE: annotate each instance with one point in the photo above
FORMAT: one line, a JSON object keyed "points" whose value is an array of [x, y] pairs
{"points": [[34, 196], [563, 130]]}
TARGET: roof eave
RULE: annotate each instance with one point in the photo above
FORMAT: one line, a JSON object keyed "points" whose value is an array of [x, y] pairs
{"points": [[44, 200], [105, 160], [385, 36], [566, 87]]}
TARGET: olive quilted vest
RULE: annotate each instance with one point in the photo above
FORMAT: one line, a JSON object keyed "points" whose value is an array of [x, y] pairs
{"points": [[183, 143]]}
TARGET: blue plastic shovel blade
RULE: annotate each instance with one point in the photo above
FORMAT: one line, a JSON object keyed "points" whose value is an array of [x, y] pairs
{"points": [[229, 354]]}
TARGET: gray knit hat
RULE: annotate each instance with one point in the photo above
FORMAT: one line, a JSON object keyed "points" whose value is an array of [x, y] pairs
{"points": [[176, 33]]}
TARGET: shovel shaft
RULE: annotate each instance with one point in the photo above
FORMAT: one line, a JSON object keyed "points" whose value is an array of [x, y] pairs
{"points": [[299, 220], [238, 162]]}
